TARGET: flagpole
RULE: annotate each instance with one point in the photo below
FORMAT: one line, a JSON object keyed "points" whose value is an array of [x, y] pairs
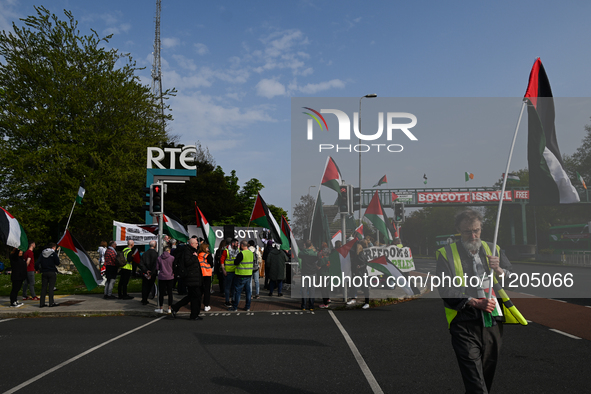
{"points": [[494, 251]]}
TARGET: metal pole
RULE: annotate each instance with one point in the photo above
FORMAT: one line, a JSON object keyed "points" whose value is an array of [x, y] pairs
{"points": [[494, 251], [344, 236], [161, 220], [372, 95]]}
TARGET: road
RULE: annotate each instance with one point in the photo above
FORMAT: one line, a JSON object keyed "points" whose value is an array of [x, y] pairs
{"points": [[401, 348]]}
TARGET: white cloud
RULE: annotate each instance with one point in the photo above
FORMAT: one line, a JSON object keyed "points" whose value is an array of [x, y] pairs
{"points": [[201, 117], [201, 49], [187, 64], [170, 42], [270, 88], [313, 88], [7, 15]]}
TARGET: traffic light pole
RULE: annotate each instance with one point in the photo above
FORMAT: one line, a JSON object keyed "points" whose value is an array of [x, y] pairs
{"points": [[344, 236]]}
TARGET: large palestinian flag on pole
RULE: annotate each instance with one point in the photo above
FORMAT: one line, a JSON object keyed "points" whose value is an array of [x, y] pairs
{"points": [[548, 182], [208, 233], [175, 229], [11, 232], [264, 218], [286, 230], [89, 272], [375, 214], [332, 176]]}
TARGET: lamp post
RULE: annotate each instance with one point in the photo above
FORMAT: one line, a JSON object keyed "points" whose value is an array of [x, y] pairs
{"points": [[309, 189], [371, 95]]}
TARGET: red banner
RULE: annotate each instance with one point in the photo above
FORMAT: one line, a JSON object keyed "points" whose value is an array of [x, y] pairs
{"points": [[490, 196], [445, 197]]}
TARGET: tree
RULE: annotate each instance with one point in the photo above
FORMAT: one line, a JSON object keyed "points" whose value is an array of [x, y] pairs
{"points": [[72, 109], [302, 216]]}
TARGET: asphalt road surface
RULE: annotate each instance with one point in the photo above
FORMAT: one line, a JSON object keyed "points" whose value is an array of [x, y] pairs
{"points": [[402, 348]]}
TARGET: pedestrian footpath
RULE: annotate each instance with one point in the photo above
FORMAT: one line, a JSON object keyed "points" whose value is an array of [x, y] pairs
{"points": [[95, 304]]}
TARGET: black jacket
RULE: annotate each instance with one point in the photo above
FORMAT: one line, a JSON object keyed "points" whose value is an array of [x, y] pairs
{"points": [[148, 261], [18, 267], [48, 261], [191, 267]]}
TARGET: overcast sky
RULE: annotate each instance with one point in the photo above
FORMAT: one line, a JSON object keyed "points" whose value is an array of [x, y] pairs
{"points": [[237, 65]]}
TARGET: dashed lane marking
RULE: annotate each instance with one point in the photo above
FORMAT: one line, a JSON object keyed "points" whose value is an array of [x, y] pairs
{"points": [[564, 333]]}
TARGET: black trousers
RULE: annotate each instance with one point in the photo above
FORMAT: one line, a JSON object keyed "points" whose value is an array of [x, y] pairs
{"points": [[16, 286], [165, 285], [47, 284], [477, 351], [147, 285], [123, 281], [193, 297]]}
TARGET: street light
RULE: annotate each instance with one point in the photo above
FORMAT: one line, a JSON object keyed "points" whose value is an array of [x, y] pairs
{"points": [[371, 95], [309, 189]]}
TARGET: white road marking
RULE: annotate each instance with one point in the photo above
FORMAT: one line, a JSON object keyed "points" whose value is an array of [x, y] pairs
{"points": [[34, 379], [564, 333], [364, 368], [3, 320], [554, 299]]}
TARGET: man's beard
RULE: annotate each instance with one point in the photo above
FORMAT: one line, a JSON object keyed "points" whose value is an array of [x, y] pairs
{"points": [[472, 246]]}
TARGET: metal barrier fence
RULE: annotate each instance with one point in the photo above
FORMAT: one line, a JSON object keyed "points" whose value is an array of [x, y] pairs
{"points": [[578, 258]]}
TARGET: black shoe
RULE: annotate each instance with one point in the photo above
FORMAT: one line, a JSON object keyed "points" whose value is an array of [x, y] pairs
{"points": [[197, 318], [42, 306], [145, 302], [173, 312], [227, 304], [280, 295], [128, 297], [112, 297], [106, 297], [54, 304]]}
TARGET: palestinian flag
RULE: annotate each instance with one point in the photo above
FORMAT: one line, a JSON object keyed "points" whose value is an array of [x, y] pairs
{"points": [[375, 214], [580, 178], [175, 229], [286, 230], [548, 182], [394, 196], [381, 181], [387, 268], [359, 232], [332, 175], [511, 177], [319, 228], [89, 272], [208, 233], [345, 257], [468, 176], [338, 236], [11, 232], [81, 192], [264, 218]]}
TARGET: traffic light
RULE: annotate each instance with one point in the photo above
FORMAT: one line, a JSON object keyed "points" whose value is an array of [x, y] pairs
{"points": [[344, 199], [356, 198], [156, 199], [147, 198], [399, 212]]}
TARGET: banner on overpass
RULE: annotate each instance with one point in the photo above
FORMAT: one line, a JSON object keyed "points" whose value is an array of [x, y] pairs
{"points": [[466, 197]]}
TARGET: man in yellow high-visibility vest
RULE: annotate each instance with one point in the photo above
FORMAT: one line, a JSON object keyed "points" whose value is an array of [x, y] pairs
{"points": [[475, 322]]}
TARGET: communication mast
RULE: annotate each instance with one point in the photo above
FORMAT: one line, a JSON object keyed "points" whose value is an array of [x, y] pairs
{"points": [[157, 65]]}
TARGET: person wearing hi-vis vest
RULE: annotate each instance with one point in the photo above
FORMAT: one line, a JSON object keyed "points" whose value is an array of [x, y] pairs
{"points": [[228, 268], [242, 276], [125, 272], [475, 321]]}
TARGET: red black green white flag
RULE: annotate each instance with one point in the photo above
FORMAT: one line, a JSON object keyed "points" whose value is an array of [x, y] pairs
{"points": [[375, 214], [332, 175], [387, 268], [548, 182], [174, 228], [88, 271], [381, 181], [286, 230], [264, 218], [208, 233], [11, 232]]}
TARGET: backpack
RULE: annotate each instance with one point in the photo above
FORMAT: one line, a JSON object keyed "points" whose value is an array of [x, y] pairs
{"points": [[255, 262], [120, 260]]}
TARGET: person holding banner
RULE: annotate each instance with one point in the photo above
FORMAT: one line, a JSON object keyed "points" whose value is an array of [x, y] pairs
{"points": [[474, 320]]}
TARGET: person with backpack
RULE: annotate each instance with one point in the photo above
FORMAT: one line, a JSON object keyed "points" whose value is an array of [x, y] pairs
{"points": [[110, 270]]}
